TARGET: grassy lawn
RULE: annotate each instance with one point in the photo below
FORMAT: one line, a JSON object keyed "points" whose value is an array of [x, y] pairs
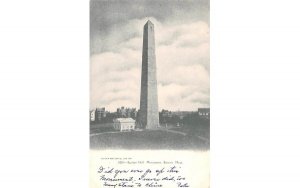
{"points": [[194, 131], [148, 139], [100, 128]]}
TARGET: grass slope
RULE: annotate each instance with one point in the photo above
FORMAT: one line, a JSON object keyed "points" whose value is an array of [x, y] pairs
{"points": [[148, 139]]}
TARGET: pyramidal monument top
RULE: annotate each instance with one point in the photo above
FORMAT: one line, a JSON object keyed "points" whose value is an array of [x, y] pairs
{"points": [[149, 23]]}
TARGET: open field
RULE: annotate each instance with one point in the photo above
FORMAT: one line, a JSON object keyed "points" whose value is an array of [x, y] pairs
{"points": [[101, 128], [147, 139]]}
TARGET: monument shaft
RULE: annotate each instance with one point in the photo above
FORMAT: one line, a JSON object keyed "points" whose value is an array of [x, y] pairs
{"points": [[149, 116]]}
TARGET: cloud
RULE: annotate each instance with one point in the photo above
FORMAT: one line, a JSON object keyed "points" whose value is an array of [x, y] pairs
{"points": [[182, 56]]}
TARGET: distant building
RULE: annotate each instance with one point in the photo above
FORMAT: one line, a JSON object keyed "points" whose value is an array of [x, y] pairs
{"points": [[92, 115], [164, 116], [204, 112], [124, 124], [100, 113], [166, 113], [182, 114]]}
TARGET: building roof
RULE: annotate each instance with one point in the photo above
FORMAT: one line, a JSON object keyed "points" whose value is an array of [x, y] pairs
{"points": [[125, 120]]}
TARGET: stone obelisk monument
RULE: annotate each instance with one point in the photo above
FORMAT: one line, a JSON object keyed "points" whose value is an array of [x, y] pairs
{"points": [[148, 116]]}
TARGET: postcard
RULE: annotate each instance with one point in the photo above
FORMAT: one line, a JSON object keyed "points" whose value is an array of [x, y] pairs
{"points": [[149, 93]]}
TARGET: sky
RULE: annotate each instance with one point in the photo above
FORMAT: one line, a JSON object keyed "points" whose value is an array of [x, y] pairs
{"points": [[182, 52]]}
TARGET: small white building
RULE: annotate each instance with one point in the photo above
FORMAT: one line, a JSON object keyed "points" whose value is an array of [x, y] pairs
{"points": [[124, 124]]}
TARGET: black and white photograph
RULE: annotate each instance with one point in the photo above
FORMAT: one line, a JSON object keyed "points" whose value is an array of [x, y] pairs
{"points": [[149, 75]]}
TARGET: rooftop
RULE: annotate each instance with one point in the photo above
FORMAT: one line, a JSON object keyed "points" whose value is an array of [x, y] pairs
{"points": [[124, 120]]}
